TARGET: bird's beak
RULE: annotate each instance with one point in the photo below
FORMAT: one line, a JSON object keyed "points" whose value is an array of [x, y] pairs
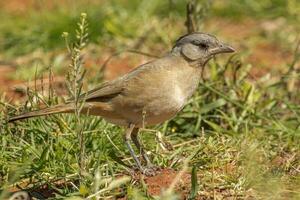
{"points": [[222, 48]]}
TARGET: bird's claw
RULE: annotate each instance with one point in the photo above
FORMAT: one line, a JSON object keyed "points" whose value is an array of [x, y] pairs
{"points": [[154, 167], [150, 171]]}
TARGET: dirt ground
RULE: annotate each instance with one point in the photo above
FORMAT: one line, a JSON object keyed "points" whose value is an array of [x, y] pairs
{"points": [[156, 185], [164, 179]]}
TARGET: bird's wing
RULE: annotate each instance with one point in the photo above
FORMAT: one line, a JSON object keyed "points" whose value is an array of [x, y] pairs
{"points": [[111, 89], [104, 92]]}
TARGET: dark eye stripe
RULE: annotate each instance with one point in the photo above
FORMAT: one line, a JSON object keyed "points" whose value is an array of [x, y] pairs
{"points": [[200, 43]]}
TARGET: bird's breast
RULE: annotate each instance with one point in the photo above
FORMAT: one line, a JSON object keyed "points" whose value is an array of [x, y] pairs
{"points": [[156, 96], [171, 96], [179, 96]]}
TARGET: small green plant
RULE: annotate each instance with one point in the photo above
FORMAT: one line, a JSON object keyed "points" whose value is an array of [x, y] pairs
{"points": [[75, 78]]}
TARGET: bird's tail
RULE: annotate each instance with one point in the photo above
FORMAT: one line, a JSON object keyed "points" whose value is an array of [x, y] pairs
{"points": [[63, 108]]}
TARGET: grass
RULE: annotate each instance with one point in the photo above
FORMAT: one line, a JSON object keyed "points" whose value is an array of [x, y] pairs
{"points": [[241, 133]]}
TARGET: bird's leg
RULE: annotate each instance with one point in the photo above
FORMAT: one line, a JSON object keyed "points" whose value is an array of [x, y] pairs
{"points": [[147, 171], [140, 147], [127, 138]]}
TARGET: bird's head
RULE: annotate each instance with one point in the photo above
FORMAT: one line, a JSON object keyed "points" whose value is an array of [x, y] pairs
{"points": [[199, 47]]}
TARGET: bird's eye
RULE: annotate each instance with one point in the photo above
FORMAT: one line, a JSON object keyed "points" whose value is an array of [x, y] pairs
{"points": [[200, 44], [203, 46]]}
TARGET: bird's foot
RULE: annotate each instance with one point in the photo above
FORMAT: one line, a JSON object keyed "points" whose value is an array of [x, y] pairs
{"points": [[152, 166], [150, 171]]}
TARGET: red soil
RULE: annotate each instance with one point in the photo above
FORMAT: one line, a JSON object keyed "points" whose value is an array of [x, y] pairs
{"points": [[163, 180]]}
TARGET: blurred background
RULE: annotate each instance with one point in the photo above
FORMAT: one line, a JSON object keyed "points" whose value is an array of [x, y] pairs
{"points": [[264, 33]]}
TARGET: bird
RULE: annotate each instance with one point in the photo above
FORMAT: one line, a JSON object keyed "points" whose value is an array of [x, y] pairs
{"points": [[149, 94]]}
